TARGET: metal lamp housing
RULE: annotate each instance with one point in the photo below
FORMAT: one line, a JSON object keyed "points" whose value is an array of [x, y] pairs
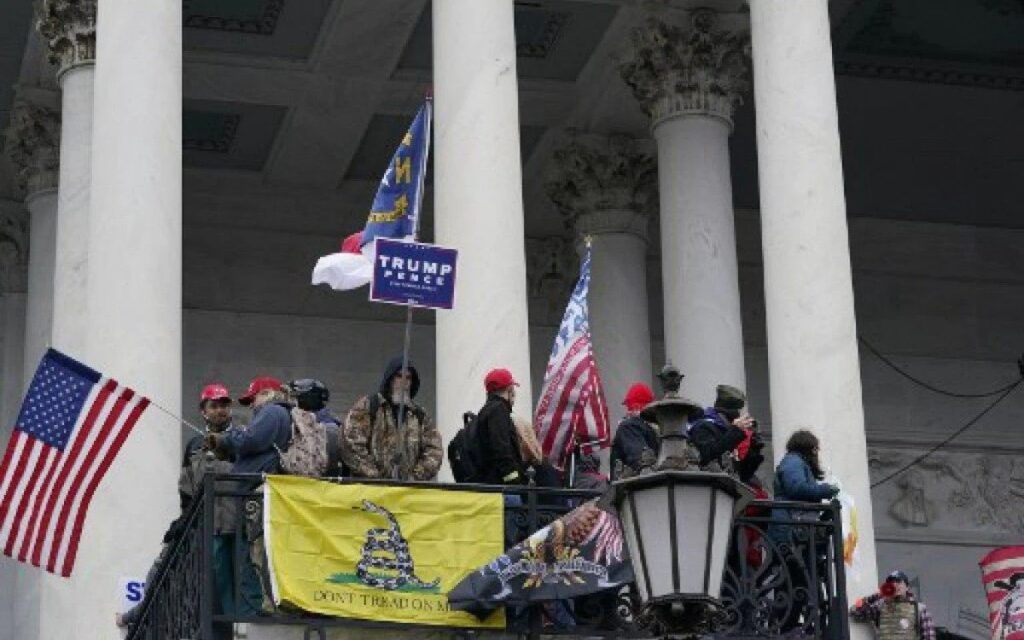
{"points": [[677, 526]]}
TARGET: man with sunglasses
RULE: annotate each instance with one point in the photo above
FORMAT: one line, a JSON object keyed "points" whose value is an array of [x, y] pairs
{"points": [[388, 435]]}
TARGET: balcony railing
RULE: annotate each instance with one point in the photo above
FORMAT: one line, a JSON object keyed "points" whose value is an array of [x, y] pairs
{"points": [[784, 576]]}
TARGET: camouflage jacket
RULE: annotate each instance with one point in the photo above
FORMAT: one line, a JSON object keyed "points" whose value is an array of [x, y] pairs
{"points": [[371, 446]]}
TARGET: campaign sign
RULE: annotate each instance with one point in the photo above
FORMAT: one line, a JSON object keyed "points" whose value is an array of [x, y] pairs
{"points": [[130, 592], [413, 274]]}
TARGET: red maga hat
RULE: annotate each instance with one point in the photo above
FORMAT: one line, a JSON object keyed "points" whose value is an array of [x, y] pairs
{"points": [[261, 383], [498, 379], [214, 391]]}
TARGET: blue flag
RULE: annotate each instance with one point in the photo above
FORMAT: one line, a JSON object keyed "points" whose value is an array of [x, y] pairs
{"points": [[396, 208]]}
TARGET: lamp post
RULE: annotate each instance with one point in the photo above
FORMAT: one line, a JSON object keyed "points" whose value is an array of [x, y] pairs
{"points": [[677, 522]]}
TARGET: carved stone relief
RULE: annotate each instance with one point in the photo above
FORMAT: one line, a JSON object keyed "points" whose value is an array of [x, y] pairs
{"points": [[953, 491]]}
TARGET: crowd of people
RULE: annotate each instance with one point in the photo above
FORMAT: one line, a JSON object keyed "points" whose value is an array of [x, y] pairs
{"points": [[387, 434]]}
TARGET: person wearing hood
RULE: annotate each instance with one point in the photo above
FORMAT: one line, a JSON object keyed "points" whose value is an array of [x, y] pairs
{"points": [[373, 443], [636, 444], [721, 429], [894, 611]]}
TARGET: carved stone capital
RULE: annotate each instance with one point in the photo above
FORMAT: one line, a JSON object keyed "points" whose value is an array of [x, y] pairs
{"points": [[32, 142], [69, 28], [696, 71], [13, 248], [604, 221], [603, 184]]}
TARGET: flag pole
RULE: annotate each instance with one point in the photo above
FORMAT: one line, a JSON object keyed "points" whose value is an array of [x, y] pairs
{"points": [[428, 113]]}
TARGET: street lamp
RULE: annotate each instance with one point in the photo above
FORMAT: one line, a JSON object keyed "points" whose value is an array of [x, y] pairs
{"points": [[677, 520]]}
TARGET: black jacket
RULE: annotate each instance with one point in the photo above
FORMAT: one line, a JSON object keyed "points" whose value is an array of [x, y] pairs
{"points": [[632, 437], [714, 438], [499, 444]]}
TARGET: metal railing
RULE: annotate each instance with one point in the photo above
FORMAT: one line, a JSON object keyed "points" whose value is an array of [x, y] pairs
{"points": [[784, 574]]}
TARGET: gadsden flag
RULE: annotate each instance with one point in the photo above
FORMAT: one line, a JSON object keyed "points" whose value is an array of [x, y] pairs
{"points": [[372, 552]]}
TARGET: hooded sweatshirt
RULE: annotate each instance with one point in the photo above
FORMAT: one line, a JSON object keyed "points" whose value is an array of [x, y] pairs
{"points": [[373, 446]]}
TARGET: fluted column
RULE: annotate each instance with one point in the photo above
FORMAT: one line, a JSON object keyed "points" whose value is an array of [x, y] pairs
{"points": [[133, 319], [478, 200], [809, 310], [689, 81], [69, 29], [605, 189], [32, 143]]}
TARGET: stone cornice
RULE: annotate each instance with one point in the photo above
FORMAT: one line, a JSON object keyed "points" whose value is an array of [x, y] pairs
{"points": [[603, 184], [32, 142], [13, 248], [69, 29], [697, 71]]}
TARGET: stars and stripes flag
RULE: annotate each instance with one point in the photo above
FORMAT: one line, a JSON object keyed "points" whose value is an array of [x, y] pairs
{"points": [[70, 428], [572, 401], [1002, 573]]}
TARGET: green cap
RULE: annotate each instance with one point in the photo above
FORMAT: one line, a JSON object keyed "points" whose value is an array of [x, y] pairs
{"points": [[728, 397]]}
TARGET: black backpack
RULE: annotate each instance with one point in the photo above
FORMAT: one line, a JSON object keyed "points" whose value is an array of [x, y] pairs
{"points": [[464, 453]]}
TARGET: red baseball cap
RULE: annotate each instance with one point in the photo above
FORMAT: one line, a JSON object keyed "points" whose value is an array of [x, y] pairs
{"points": [[214, 391], [261, 383], [498, 379], [638, 396]]}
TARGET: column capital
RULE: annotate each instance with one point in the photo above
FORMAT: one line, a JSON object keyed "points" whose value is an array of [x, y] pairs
{"points": [[13, 248], [603, 184], [32, 142], [697, 71], [69, 29]]}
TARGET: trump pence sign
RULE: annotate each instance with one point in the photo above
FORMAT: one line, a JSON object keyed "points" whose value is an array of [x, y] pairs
{"points": [[413, 274]]}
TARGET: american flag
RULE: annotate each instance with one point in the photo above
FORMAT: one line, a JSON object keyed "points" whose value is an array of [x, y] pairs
{"points": [[1002, 573], [71, 426], [572, 400]]}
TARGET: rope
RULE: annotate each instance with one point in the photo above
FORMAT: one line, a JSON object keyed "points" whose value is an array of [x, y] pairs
{"points": [[1006, 392], [918, 381], [1001, 392]]}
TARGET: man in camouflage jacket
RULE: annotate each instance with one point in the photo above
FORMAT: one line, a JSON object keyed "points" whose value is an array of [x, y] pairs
{"points": [[373, 446]]}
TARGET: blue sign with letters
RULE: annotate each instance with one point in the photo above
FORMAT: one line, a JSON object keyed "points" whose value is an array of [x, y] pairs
{"points": [[413, 274]]}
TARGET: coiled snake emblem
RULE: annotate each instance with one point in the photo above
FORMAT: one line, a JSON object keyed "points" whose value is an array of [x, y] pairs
{"points": [[382, 543]]}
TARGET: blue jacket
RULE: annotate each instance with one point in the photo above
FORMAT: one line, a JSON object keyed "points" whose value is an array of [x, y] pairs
{"points": [[795, 482], [254, 448]]}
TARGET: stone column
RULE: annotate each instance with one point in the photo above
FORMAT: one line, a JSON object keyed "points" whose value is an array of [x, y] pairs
{"points": [[605, 189], [133, 330], [478, 200], [32, 142], [13, 283], [13, 286], [69, 29], [812, 333], [688, 82]]}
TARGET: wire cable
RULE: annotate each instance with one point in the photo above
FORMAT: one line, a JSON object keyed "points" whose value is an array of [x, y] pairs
{"points": [[952, 394], [1006, 392]]}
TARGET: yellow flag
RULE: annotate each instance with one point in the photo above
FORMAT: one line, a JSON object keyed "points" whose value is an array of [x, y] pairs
{"points": [[372, 552]]}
